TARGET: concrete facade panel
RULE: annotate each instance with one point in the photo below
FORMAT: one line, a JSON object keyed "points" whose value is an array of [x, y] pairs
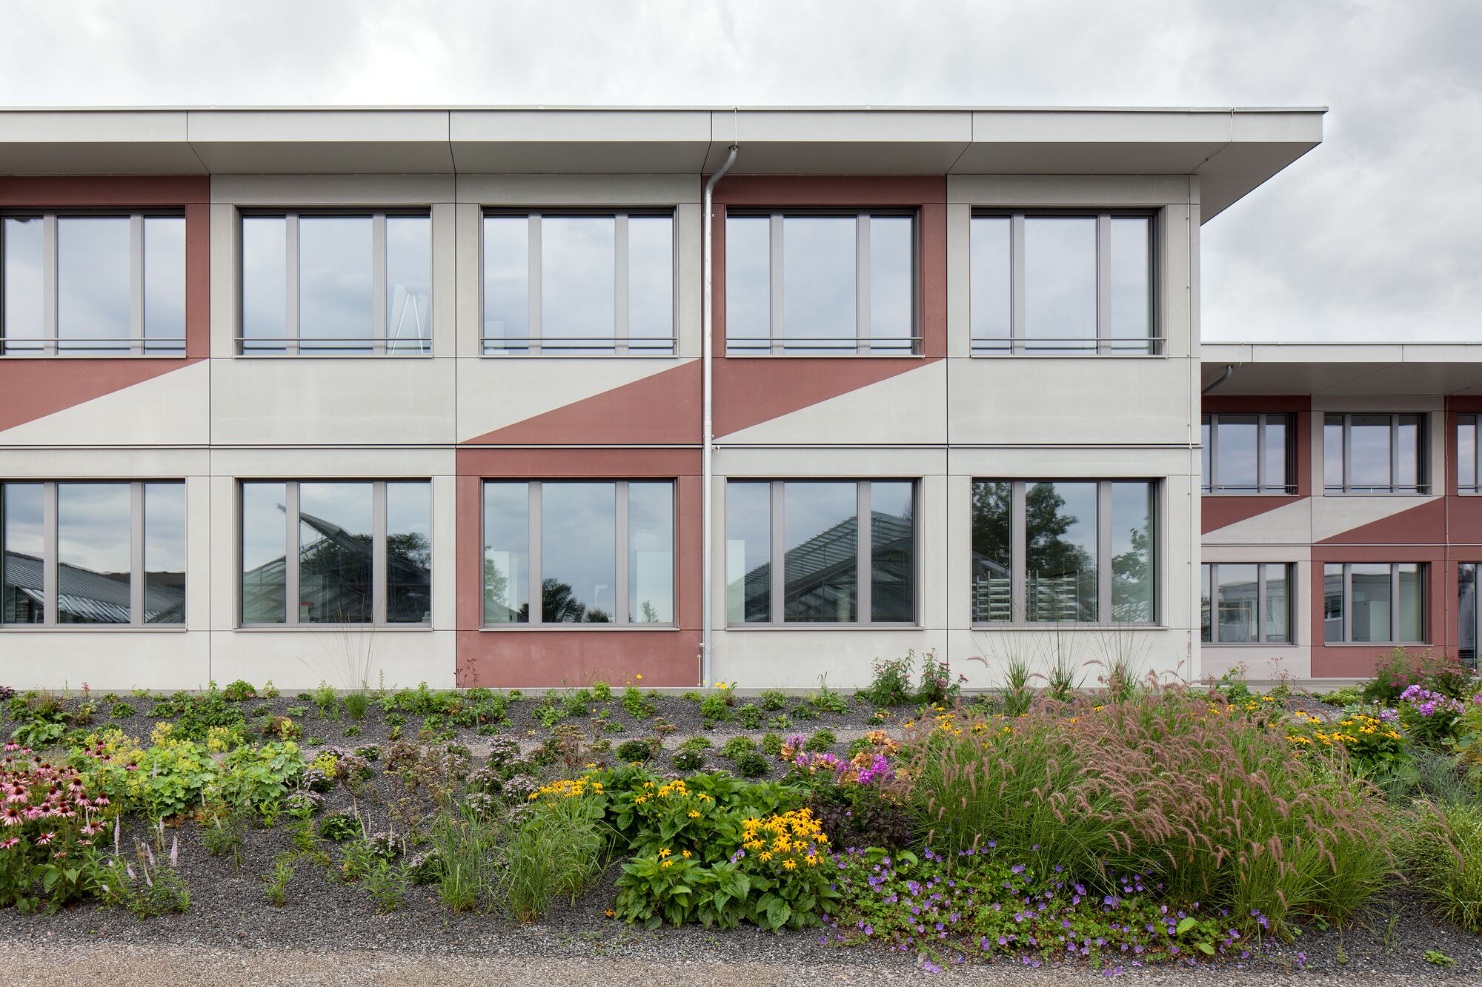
{"points": [[170, 409], [876, 412]]}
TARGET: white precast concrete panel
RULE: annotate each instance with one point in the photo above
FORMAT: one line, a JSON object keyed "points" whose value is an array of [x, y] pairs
{"points": [[909, 408], [169, 410], [1289, 524]]}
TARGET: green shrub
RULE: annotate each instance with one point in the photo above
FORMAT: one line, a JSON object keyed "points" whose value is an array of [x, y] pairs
{"points": [[636, 704], [635, 750], [340, 826], [239, 691], [1402, 668], [122, 711], [716, 706], [826, 700], [751, 715], [773, 700], [772, 744], [820, 741], [688, 760], [750, 764], [891, 685], [737, 746]]}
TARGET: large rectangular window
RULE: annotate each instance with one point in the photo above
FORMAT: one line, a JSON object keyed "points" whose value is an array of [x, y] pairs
{"points": [[92, 285], [1062, 284], [1246, 603], [820, 552], [1468, 437], [1368, 454], [557, 283], [1248, 454], [825, 284], [335, 284], [361, 552], [1374, 603], [592, 552], [92, 553], [1064, 551]]}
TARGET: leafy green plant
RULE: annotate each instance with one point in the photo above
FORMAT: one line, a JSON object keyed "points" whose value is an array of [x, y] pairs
{"points": [[386, 883], [464, 843], [821, 740], [557, 851], [1432, 670], [751, 716], [938, 686], [340, 826], [225, 836], [122, 711], [737, 746], [635, 750], [636, 704], [716, 706], [155, 889], [258, 778], [826, 700], [49, 820], [239, 691], [750, 764], [891, 684], [773, 700], [689, 760], [275, 882]]}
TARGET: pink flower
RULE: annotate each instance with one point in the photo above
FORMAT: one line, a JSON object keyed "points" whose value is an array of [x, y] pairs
{"points": [[7, 844], [45, 838]]}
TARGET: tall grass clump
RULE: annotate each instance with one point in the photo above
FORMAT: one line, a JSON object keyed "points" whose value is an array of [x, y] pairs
{"points": [[557, 851], [1212, 805], [464, 846], [1442, 849]]}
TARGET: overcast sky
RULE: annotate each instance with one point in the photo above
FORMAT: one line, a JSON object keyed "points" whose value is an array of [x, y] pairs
{"points": [[1376, 234]]}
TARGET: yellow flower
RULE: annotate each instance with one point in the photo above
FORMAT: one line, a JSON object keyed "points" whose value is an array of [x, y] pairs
{"points": [[685, 854], [694, 814], [766, 855], [665, 864], [638, 677], [789, 865]]}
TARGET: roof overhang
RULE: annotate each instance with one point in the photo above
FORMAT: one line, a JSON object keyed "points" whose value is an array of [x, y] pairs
{"points": [[1232, 151], [1342, 368]]}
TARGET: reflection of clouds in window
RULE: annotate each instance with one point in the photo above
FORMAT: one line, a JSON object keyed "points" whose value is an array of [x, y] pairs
{"points": [[262, 523], [93, 291], [1131, 299], [164, 280], [264, 273], [506, 274], [650, 278], [577, 277], [23, 519], [408, 277], [578, 542], [651, 553], [990, 262], [335, 297], [748, 277], [164, 527], [748, 552], [93, 526], [891, 278], [506, 552], [1237, 452], [819, 269], [346, 505], [22, 289], [1059, 277], [813, 508]]}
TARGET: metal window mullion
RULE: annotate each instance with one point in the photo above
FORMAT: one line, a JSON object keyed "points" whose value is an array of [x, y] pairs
{"points": [[1347, 602], [1214, 601], [290, 554], [864, 566], [380, 325], [621, 614], [620, 286], [1214, 449], [1018, 549], [1103, 282], [1103, 552], [778, 553], [533, 286], [1016, 283], [379, 570], [50, 575], [1394, 602], [1347, 458], [1394, 453], [863, 332], [532, 539], [291, 272], [136, 284], [136, 553], [49, 263], [1260, 454], [774, 278], [1261, 603]]}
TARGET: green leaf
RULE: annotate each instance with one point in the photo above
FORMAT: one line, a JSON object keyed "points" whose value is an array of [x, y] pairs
{"points": [[1204, 948], [1186, 925]]}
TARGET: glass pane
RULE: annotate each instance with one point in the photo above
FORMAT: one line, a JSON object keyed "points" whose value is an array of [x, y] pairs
{"points": [[1466, 454], [264, 576], [990, 259], [335, 284], [1204, 453], [264, 284], [577, 274], [651, 284], [1332, 453], [164, 553], [748, 553], [1466, 614], [1235, 465], [1371, 603], [748, 283], [1132, 553], [94, 298], [1278, 604], [506, 283], [408, 284], [408, 553], [94, 553], [1206, 630], [1332, 610], [164, 284], [1368, 454], [578, 552], [1276, 454], [892, 283], [1060, 552], [821, 539], [892, 552], [506, 553], [1411, 609], [993, 560], [1407, 462], [819, 267], [1060, 284], [651, 553], [22, 287], [22, 551], [335, 553], [1239, 590], [1131, 283]]}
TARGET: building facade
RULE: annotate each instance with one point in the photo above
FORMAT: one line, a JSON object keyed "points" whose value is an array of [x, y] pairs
{"points": [[427, 395]]}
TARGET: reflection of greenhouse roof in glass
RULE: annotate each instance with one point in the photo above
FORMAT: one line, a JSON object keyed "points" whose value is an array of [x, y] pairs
{"points": [[813, 566], [84, 596]]}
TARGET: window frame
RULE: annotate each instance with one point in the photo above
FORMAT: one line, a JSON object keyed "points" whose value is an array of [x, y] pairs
{"points": [[865, 344], [1422, 580], [136, 344], [1017, 344], [622, 547], [1473, 421], [1209, 576], [1422, 485], [864, 554], [620, 343], [1105, 575], [381, 345], [1210, 482], [1467, 594], [51, 554], [380, 570]]}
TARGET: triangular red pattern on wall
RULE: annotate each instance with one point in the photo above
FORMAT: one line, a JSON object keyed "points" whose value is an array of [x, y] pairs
{"points": [[1216, 512], [751, 391], [1425, 524], [32, 389]]}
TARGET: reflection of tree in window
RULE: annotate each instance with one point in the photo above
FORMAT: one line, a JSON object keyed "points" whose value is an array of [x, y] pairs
{"points": [[1061, 575], [1131, 575], [559, 605]]}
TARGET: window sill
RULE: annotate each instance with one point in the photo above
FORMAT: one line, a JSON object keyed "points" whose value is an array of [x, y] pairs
{"points": [[1376, 644], [815, 625], [1069, 626], [1329, 492], [335, 628], [579, 356], [1250, 644], [581, 628], [1069, 356], [332, 356], [1249, 493], [94, 628], [841, 355], [101, 355]]}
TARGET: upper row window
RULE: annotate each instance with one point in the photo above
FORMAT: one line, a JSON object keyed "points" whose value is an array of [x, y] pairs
{"points": [[1367, 454], [821, 283], [92, 285], [1062, 284], [336, 284], [1248, 454]]}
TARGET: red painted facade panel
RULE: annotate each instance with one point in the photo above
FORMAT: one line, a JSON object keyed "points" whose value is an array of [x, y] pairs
{"points": [[664, 409]]}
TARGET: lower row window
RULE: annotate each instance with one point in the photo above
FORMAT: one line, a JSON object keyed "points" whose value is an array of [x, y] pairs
{"points": [[354, 552], [1246, 603], [92, 553], [1374, 602]]}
